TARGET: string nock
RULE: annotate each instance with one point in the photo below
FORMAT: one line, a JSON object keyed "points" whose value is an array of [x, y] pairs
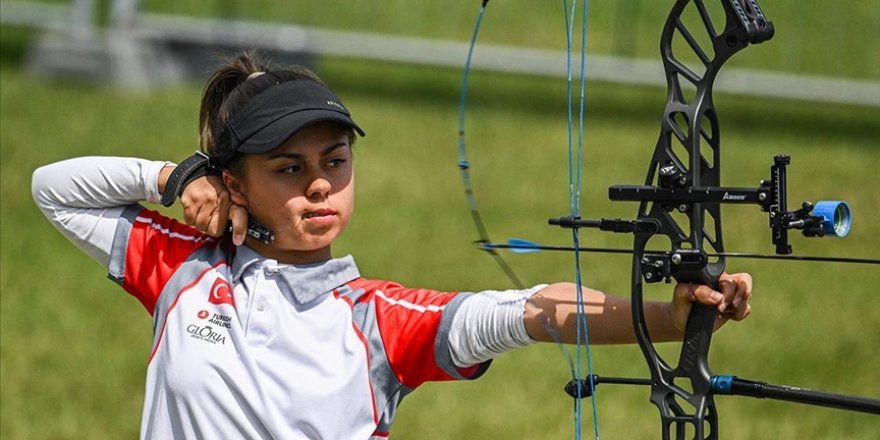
{"points": [[464, 165], [580, 388], [486, 245]]}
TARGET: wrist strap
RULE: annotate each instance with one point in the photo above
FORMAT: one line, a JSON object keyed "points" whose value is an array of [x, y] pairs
{"points": [[195, 166]]}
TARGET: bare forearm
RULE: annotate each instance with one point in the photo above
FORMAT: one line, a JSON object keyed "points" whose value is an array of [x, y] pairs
{"points": [[609, 318]]}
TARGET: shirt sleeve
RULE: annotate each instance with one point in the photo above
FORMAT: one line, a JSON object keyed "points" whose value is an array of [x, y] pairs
{"points": [[93, 201], [488, 324], [85, 197], [148, 248], [414, 327]]}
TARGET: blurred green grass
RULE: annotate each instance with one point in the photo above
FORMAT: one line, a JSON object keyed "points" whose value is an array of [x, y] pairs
{"points": [[74, 347]]}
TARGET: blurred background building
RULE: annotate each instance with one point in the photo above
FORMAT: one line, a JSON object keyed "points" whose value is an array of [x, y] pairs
{"points": [[117, 43]]}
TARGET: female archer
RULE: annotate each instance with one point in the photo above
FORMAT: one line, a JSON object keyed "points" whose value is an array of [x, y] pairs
{"points": [[259, 332]]}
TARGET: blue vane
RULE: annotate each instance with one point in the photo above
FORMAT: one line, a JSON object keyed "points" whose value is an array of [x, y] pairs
{"points": [[522, 246]]}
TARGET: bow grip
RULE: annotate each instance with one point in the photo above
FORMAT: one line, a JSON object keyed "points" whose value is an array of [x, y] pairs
{"points": [[694, 362]]}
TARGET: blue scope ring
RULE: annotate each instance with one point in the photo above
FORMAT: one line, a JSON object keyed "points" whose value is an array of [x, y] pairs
{"points": [[837, 218]]}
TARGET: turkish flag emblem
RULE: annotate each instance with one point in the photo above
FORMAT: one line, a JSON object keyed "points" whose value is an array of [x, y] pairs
{"points": [[221, 293]]}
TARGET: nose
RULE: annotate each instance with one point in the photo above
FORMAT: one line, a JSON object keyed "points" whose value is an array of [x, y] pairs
{"points": [[319, 188]]}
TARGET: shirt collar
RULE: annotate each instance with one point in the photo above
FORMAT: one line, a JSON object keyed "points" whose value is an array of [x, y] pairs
{"points": [[306, 281], [244, 258]]}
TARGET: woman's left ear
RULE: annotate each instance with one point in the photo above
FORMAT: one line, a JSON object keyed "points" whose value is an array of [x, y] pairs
{"points": [[234, 186]]}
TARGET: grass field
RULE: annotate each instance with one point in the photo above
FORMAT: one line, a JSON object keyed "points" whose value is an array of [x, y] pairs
{"points": [[74, 346]]}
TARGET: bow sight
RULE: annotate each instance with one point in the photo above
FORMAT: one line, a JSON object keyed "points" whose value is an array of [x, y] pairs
{"points": [[674, 193]]}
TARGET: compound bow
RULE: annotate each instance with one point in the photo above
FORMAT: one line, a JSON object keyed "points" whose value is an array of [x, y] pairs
{"points": [[681, 200]]}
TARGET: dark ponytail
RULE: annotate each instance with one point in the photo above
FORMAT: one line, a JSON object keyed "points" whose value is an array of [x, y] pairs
{"points": [[230, 88]]}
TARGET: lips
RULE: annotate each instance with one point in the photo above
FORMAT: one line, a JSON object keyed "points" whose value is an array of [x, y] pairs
{"points": [[319, 213]]}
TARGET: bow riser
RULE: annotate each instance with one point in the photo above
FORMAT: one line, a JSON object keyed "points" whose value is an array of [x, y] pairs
{"points": [[688, 155]]}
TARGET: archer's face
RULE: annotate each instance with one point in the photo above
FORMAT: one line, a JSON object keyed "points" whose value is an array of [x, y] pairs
{"points": [[303, 191]]}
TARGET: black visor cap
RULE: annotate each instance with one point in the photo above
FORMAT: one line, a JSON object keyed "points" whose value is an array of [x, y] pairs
{"points": [[279, 112]]}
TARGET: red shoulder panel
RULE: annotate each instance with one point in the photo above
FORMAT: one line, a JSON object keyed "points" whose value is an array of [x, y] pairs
{"points": [[408, 320], [157, 246]]}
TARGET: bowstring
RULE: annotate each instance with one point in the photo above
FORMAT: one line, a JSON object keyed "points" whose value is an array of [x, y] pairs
{"points": [[464, 166], [575, 175], [582, 338]]}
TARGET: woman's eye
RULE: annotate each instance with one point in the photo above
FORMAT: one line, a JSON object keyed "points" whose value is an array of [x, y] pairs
{"points": [[292, 169], [336, 163]]}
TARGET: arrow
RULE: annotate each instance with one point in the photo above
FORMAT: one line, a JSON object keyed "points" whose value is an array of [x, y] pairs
{"points": [[523, 246]]}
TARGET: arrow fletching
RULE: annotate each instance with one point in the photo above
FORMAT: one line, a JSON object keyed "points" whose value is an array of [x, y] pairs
{"points": [[522, 246]]}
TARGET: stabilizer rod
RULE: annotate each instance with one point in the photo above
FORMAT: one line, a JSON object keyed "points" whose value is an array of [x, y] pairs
{"points": [[732, 385]]}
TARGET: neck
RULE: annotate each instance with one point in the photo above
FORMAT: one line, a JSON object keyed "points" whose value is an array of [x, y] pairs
{"points": [[288, 256]]}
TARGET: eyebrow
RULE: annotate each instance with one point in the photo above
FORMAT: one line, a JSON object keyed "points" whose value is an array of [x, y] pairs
{"points": [[325, 151]]}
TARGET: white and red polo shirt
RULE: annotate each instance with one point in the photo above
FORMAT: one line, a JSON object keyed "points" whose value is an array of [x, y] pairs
{"points": [[245, 347]]}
